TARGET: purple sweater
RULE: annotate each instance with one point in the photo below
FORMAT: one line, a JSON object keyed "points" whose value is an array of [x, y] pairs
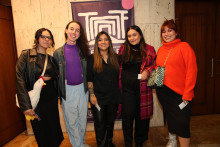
{"points": [[73, 65]]}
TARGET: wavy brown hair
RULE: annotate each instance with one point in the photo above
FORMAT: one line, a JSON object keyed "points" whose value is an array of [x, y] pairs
{"points": [[37, 36], [112, 57], [127, 56], [82, 41]]}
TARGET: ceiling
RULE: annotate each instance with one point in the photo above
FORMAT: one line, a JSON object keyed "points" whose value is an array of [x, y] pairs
{"points": [[5, 3], [8, 2]]}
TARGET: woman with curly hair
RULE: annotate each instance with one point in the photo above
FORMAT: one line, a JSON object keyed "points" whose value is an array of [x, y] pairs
{"points": [[29, 67]]}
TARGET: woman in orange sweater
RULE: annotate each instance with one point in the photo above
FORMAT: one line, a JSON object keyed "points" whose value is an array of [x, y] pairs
{"points": [[179, 82]]}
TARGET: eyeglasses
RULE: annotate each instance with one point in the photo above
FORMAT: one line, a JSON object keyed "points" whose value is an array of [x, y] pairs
{"points": [[44, 37]]}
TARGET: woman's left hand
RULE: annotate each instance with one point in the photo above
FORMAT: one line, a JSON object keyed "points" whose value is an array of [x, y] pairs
{"points": [[144, 75]]}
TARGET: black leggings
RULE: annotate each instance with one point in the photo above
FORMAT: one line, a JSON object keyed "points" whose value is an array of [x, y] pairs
{"points": [[104, 123]]}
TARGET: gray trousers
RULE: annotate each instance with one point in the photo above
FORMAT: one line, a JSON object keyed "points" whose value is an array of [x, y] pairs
{"points": [[75, 109]]}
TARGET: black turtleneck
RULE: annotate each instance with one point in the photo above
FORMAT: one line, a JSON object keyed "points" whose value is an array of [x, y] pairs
{"points": [[135, 53], [135, 47]]}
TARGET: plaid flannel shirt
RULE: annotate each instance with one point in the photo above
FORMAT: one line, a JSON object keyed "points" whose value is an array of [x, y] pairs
{"points": [[148, 64]]}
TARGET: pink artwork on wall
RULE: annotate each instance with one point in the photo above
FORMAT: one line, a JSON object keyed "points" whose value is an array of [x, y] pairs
{"points": [[127, 4]]}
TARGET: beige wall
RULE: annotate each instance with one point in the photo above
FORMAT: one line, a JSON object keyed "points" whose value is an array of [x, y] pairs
{"points": [[149, 15], [30, 15]]}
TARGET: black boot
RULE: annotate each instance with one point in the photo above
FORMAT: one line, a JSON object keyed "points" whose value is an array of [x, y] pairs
{"points": [[110, 143]]}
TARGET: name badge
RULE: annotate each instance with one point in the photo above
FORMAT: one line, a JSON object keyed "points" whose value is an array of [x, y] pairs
{"points": [[139, 76]]}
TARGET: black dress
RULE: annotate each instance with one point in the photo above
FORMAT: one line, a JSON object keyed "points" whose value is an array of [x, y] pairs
{"points": [[47, 131]]}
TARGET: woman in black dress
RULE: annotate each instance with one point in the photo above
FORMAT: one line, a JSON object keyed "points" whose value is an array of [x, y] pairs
{"points": [[29, 68], [103, 85]]}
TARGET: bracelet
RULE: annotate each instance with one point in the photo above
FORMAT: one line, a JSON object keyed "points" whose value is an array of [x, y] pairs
{"points": [[92, 95], [91, 90]]}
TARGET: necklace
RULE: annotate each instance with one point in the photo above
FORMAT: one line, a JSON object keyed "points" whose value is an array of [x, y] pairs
{"points": [[134, 50], [105, 59]]}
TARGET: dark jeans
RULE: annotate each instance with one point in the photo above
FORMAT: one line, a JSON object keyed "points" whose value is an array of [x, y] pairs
{"points": [[104, 123], [131, 112]]}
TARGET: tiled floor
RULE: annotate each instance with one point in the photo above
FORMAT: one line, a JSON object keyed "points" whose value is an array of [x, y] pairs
{"points": [[205, 132]]}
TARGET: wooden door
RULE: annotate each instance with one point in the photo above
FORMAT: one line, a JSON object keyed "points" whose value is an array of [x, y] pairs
{"points": [[11, 120], [217, 63], [197, 26]]}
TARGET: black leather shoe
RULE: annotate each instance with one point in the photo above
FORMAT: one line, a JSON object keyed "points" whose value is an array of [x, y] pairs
{"points": [[139, 145], [110, 143]]}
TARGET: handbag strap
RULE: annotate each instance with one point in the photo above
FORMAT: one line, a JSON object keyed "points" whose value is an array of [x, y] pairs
{"points": [[45, 65], [167, 56]]}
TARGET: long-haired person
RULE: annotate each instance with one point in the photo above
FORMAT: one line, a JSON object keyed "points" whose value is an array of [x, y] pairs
{"points": [[72, 61], [29, 68], [179, 82], [103, 78], [138, 61]]}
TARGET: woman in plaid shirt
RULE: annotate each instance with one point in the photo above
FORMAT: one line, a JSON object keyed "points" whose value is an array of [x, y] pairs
{"points": [[137, 62]]}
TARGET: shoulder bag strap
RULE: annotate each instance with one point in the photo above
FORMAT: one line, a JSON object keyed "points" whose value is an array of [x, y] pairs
{"points": [[167, 56], [45, 65]]}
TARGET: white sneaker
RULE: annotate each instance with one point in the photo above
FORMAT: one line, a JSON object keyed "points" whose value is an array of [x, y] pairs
{"points": [[86, 145], [172, 140]]}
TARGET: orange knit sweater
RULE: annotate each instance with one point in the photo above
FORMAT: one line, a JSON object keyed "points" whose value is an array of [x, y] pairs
{"points": [[180, 68]]}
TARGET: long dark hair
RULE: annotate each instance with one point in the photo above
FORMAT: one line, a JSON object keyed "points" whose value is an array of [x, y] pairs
{"points": [[127, 56], [82, 41], [38, 34], [98, 58]]}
